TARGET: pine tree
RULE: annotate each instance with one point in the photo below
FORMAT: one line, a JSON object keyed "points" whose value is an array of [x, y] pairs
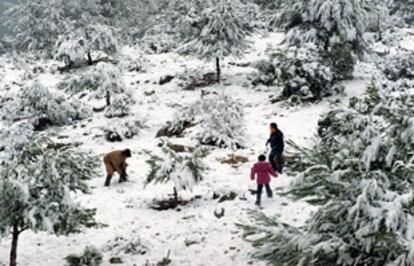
{"points": [[221, 121], [42, 107], [37, 24], [360, 174], [104, 81], [36, 183], [327, 23], [77, 44], [184, 170], [403, 10], [219, 31]]}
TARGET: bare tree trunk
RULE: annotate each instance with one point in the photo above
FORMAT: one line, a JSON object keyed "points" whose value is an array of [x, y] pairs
{"points": [[175, 196], [108, 98], [90, 62], [13, 251], [218, 69]]}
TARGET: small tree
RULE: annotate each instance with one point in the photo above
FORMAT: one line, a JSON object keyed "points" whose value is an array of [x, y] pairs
{"points": [[220, 31], [43, 107], [36, 183], [221, 121], [75, 45], [326, 23], [184, 170], [104, 81]]}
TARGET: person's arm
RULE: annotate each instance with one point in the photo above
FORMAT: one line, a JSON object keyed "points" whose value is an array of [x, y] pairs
{"points": [[253, 173], [272, 172]]}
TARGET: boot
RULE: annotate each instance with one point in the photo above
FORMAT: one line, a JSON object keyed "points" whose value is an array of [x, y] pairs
{"points": [[108, 181]]}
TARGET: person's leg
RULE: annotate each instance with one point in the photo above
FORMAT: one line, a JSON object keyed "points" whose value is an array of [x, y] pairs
{"points": [[272, 161], [108, 180], [259, 194], [109, 172], [278, 159], [122, 177], [269, 191]]}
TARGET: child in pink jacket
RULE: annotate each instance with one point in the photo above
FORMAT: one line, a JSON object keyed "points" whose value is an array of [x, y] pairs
{"points": [[262, 171]]}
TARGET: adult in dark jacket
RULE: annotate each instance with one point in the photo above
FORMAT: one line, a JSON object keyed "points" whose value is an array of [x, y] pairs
{"points": [[277, 146]]}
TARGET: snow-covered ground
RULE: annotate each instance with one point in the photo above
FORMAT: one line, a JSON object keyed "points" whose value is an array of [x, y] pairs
{"points": [[192, 233]]}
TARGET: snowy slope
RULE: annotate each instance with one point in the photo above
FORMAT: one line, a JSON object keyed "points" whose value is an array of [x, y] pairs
{"points": [[124, 208]]}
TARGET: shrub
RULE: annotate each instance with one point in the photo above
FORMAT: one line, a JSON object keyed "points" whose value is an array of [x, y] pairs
{"points": [[220, 118], [43, 107], [399, 65], [303, 72], [183, 169], [118, 131], [90, 257]]}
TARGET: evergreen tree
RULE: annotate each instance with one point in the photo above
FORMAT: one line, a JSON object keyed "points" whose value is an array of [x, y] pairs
{"points": [[184, 170], [327, 23], [403, 10], [220, 118], [36, 185], [104, 81], [43, 107], [37, 24], [77, 44], [220, 31], [360, 174]]}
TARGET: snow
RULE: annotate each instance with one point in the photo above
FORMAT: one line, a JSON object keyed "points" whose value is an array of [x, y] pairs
{"points": [[124, 208]]}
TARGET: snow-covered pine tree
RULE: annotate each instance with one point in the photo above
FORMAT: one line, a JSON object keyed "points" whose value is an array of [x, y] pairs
{"points": [[48, 19], [104, 81], [36, 185], [360, 174], [184, 170], [399, 65], [222, 31], [219, 117], [222, 121], [42, 107], [326, 23], [403, 10], [76, 45]]}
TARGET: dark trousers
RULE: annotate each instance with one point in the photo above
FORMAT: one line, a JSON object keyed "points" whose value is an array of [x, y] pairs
{"points": [[259, 192], [277, 162], [122, 178]]}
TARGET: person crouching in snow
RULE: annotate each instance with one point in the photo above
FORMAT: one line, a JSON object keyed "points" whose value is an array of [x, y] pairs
{"points": [[115, 161], [263, 170]]}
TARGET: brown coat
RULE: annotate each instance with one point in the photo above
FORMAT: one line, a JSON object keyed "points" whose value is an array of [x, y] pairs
{"points": [[115, 161]]}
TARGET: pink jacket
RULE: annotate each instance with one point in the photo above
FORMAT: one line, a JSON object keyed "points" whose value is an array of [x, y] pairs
{"points": [[263, 170]]}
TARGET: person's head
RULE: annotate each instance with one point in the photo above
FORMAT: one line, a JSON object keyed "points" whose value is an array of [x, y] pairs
{"points": [[126, 153], [262, 158], [273, 128]]}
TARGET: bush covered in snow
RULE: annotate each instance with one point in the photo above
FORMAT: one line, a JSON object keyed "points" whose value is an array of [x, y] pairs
{"points": [[77, 45], [360, 173], [184, 169], [90, 257], [126, 245], [43, 107], [117, 131], [399, 65], [104, 81], [302, 72], [221, 121]]}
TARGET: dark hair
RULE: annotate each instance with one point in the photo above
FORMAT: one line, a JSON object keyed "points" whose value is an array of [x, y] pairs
{"points": [[127, 152], [262, 157], [273, 125]]}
